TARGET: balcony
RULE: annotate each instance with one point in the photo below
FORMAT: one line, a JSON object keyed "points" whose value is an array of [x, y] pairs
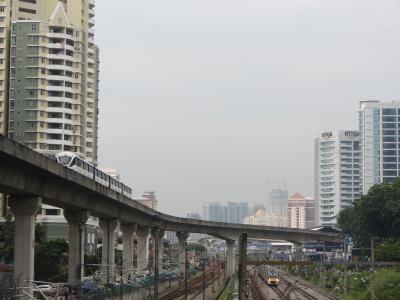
{"points": [[59, 120], [54, 131], [59, 88], [60, 68], [60, 110], [59, 99], [59, 35], [55, 46]]}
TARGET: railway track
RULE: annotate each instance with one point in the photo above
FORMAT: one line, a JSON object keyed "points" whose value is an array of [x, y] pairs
{"points": [[255, 289], [194, 287], [308, 291], [291, 288]]}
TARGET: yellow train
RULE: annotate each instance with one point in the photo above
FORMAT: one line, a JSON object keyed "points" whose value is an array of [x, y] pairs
{"points": [[273, 280]]}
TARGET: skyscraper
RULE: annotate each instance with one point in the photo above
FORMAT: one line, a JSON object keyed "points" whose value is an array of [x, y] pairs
{"points": [[49, 83], [337, 173], [379, 132], [296, 215], [231, 212], [278, 201], [53, 76]]}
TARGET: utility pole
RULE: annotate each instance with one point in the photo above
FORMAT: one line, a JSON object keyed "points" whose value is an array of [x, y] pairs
{"points": [[225, 267], [186, 272], [156, 234], [204, 277], [120, 285], [212, 274], [372, 269], [218, 268]]}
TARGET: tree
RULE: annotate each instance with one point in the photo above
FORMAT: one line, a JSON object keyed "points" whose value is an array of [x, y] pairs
{"points": [[198, 248], [51, 260], [375, 215], [51, 256], [7, 240]]}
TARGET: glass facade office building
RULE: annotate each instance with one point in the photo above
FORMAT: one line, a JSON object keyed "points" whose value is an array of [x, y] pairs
{"points": [[379, 124]]}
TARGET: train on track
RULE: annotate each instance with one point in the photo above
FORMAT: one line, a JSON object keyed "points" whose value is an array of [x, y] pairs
{"points": [[74, 162], [272, 280]]}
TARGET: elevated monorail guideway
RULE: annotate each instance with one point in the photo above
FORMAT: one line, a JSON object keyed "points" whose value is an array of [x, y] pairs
{"points": [[30, 178]]}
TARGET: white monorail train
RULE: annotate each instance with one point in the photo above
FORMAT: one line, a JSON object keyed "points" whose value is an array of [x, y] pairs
{"points": [[74, 162]]}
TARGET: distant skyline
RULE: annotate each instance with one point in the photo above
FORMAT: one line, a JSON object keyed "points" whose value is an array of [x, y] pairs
{"points": [[208, 101]]}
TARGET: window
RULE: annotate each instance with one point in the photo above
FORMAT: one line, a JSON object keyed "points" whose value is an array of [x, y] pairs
{"points": [[389, 132], [389, 119], [52, 212], [389, 125], [390, 166], [389, 146], [26, 10], [33, 27], [388, 111], [389, 139]]}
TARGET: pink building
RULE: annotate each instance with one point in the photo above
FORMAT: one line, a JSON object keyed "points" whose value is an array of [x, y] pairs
{"points": [[301, 211]]}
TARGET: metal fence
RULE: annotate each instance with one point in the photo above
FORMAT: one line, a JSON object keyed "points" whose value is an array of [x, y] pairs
{"points": [[7, 286]]}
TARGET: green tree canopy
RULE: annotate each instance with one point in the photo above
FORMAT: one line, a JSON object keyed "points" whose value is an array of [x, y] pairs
{"points": [[51, 256], [198, 248], [375, 215]]}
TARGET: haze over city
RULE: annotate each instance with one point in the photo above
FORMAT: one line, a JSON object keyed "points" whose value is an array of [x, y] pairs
{"points": [[207, 101]]}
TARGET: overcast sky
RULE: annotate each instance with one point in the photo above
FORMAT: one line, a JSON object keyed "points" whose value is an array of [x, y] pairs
{"points": [[208, 100]]}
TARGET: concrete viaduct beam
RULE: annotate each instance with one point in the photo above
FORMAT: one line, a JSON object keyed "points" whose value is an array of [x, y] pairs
{"points": [[64, 188]]}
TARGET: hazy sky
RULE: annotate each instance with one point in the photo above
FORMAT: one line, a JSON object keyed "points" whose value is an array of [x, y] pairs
{"points": [[208, 100]]}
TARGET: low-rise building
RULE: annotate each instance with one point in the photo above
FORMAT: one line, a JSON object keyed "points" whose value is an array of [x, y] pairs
{"points": [[262, 217]]}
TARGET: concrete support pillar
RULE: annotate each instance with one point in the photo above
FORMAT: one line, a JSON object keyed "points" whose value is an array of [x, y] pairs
{"points": [[230, 257], [76, 221], [155, 231], [160, 248], [142, 234], [108, 253], [128, 231], [242, 265], [24, 209], [182, 237]]}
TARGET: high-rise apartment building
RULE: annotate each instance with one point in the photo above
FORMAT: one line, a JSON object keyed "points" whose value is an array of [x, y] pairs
{"points": [[49, 85], [301, 212], [337, 173], [231, 212], [278, 201], [379, 124], [52, 75]]}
